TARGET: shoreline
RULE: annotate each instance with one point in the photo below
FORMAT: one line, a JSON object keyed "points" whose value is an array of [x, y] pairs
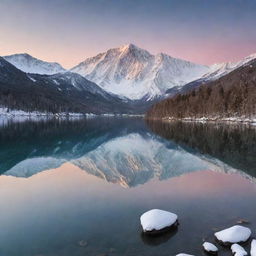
{"points": [[230, 120], [5, 113]]}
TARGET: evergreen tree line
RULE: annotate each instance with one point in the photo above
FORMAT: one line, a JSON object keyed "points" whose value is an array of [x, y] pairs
{"points": [[233, 95]]}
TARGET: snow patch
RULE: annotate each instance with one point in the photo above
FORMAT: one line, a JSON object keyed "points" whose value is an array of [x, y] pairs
{"points": [[236, 119], [6, 112], [32, 79], [184, 254]]}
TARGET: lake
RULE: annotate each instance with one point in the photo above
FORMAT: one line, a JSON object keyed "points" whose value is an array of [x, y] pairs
{"points": [[79, 187]]}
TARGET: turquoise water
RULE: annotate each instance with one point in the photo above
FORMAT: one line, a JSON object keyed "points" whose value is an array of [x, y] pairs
{"points": [[79, 187]]}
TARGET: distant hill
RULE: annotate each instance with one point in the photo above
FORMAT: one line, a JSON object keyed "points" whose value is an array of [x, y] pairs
{"points": [[233, 95]]}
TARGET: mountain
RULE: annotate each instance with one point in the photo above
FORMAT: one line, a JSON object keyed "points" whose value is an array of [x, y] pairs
{"points": [[127, 79], [29, 64], [232, 95], [216, 71], [221, 69], [135, 73], [62, 92]]}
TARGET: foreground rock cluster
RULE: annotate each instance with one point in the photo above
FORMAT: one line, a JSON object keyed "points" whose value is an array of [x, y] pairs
{"points": [[155, 222]]}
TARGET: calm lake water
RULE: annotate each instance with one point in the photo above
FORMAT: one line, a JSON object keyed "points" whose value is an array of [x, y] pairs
{"points": [[64, 184]]}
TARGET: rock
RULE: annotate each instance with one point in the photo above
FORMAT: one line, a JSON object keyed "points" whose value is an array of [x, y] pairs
{"points": [[210, 248], [238, 250], [82, 243], [253, 248], [235, 234], [242, 221], [157, 221]]}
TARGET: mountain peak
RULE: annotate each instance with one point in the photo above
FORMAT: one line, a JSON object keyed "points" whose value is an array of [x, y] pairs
{"points": [[129, 46], [132, 48], [21, 54], [30, 64], [131, 72]]}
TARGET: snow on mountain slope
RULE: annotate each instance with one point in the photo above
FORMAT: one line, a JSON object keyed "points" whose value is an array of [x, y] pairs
{"points": [[135, 73], [216, 71], [221, 69], [29, 64]]}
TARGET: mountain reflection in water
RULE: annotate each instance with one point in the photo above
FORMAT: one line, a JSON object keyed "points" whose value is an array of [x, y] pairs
{"points": [[125, 151], [64, 182]]}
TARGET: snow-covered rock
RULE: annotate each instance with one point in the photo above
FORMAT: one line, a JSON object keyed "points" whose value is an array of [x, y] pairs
{"points": [[132, 72], [238, 250], [210, 248], [29, 64], [184, 254], [235, 234], [156, 220], [253, 247]]}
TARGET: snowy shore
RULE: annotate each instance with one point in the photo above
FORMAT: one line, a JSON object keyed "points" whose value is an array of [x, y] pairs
{"points": [[7, 113], [243, 120]]}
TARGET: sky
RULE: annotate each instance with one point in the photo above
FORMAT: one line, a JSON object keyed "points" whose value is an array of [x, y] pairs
{"points": [[69, 31]]}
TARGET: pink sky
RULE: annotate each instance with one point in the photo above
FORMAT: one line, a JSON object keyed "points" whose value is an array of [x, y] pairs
{"points": [[70, 31]]}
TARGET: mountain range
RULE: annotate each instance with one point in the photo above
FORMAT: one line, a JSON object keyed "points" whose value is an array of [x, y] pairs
{"points": [[126, 79], [230, 96], [61, 92]]}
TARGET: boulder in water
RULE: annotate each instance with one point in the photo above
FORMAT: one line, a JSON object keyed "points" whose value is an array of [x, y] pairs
{"points": [[253, 248], [238, 250], [235, 234], [210, 248], [157, 221]]}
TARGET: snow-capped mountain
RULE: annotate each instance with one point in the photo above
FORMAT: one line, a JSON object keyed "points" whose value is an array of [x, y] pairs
{"points": [[135, 73], [29, 64], [68, 92], [216, 71], [221, 69]]}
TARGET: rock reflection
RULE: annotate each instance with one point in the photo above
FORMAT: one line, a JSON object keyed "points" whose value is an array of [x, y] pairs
{"points": [[157, 240]]}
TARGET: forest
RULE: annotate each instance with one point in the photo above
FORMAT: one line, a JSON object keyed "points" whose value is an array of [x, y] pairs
{"points": [[233, 95]]}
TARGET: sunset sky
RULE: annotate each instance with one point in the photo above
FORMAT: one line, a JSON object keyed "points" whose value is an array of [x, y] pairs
{"points": [[68, 31]]}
